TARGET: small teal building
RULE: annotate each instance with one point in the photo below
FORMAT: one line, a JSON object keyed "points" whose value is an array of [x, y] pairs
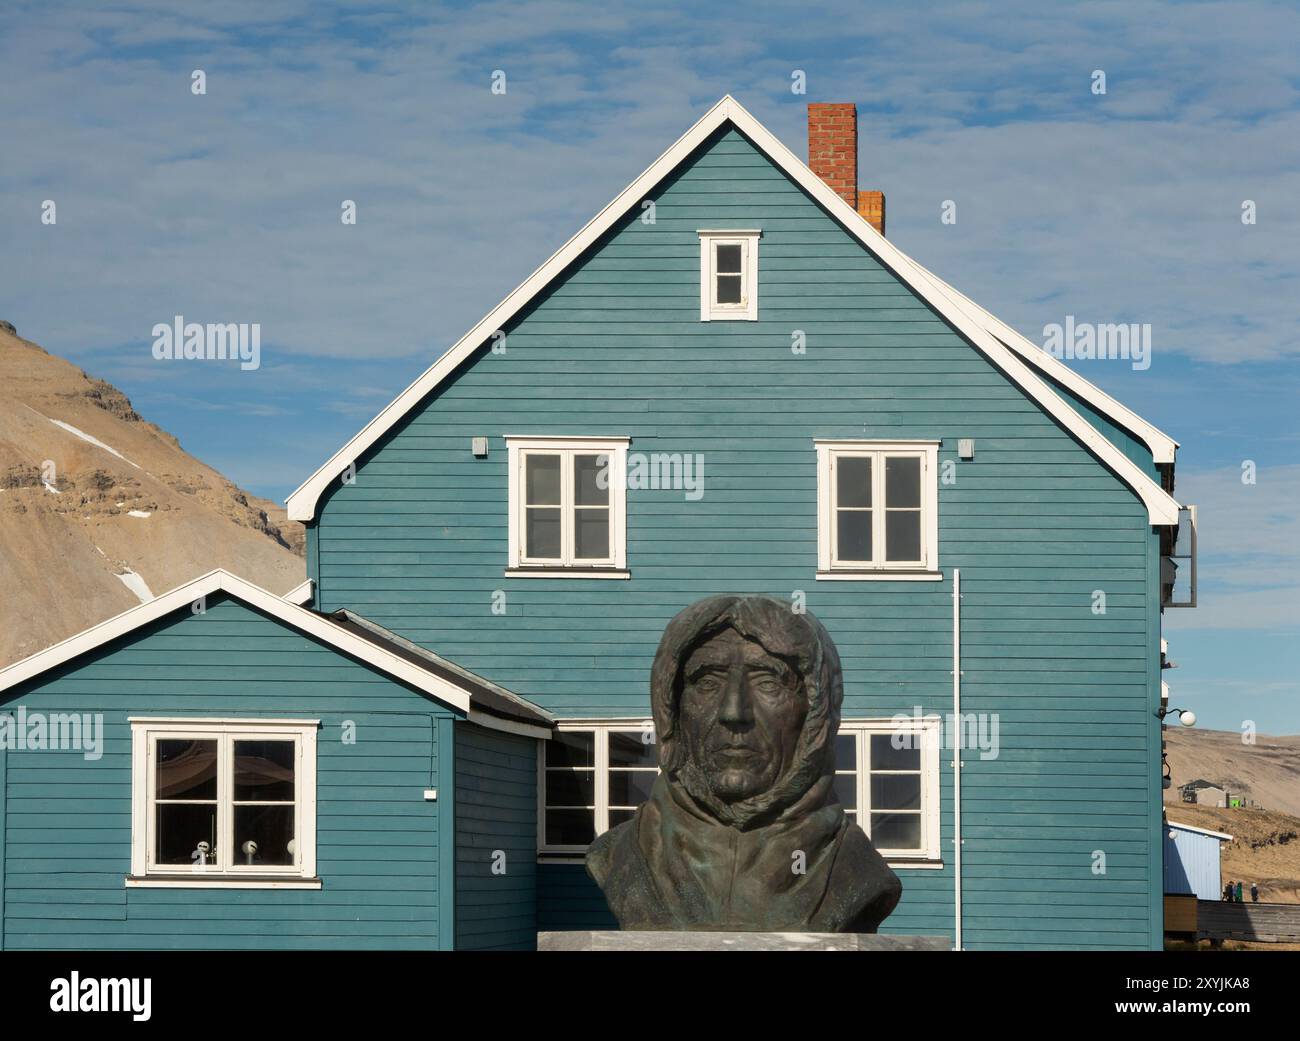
{"points": [[728, 381]]}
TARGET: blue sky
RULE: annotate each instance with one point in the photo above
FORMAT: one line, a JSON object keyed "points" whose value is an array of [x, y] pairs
{"points": [[1122, 207]]}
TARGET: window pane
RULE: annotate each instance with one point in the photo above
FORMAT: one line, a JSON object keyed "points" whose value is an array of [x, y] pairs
{"points": [[852, 481], [854, 534], [846, 752], [187, 769], [728, 289], [570, 788], [729, 259], [617, 817], [590, 472], [884, 756], [903, 535], [896, 830], [542, 480], [570, 827], [846, 790], [630, 787], [543, 533], [902, 481], [571, 748], [895, 791], [180, 830], [264, 771], [626, 748], [263, 835], [591, 534]]}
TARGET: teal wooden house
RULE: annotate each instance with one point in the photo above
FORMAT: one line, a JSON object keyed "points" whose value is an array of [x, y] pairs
{"points": [[729, 381]]}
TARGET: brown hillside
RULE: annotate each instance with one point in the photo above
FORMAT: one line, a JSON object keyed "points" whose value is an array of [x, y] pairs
{"points": [[1266, 773], [99, 508]]}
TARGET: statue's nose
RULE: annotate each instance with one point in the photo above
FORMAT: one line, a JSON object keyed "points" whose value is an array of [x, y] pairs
{"points": [[736, 709]]}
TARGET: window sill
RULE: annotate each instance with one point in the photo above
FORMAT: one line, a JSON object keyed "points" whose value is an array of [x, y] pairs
{"points": [[849, 575], [912, 865], [567, 572], [198, 881]]}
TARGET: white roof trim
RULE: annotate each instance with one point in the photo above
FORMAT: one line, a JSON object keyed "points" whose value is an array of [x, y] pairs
{"points": [[970, 320], [1199, 831], [301, 594], [1161, 444], [277, 607]]}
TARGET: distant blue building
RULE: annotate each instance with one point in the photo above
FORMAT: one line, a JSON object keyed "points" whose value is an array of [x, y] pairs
{"points": [[1192, 861]]}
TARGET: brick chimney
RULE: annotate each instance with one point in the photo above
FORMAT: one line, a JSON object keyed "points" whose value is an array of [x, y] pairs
{"points": [[833, 156]]}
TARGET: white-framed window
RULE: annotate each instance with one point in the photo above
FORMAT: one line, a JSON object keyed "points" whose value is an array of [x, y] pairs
{"points": [[222, 801], [887, 779], [729, 275], [877, 509], [568, 505], [592, 777]]}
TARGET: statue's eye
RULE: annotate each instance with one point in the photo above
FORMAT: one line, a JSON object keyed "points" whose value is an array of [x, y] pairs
{"points": [[708, 683]]}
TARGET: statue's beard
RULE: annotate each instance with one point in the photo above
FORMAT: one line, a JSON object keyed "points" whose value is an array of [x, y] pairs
{"points": [[741, 798], [737, 771]]}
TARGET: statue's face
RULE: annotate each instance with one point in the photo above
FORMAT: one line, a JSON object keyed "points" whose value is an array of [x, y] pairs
{"points": [[741, 714]]}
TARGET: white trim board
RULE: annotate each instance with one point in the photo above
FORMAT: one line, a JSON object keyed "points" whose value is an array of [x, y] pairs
{"points": [[1198, 831], [969, 320], [277, 607]]}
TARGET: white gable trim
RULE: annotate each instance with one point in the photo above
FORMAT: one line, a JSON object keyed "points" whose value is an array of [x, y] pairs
{"points": [[1161, 507], [1198, 831], [1163, 447], [277, 607]]}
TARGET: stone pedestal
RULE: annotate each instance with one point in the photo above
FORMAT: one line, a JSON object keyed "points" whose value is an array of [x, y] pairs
{"points": [[614, 940]]}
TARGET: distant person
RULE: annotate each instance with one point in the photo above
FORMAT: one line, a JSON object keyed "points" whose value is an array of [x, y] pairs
{"points": [[1227, 891], [1254, 893], [1239, 892]]}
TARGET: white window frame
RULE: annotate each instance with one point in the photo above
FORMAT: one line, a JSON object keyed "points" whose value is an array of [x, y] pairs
{"points": [[747, 309], [927, 727], [602, 729], [518, 448], [146, 732], [928, 730], [828, 564]]}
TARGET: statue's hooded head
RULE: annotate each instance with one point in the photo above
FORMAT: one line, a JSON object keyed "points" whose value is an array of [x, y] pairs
{"points": [[746, 698]]}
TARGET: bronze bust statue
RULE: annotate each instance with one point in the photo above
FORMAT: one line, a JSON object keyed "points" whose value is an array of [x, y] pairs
{"points": [[742, 830]]}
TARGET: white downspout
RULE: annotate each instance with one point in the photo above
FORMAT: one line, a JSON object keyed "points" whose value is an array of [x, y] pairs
{"points": [[955, 730]]}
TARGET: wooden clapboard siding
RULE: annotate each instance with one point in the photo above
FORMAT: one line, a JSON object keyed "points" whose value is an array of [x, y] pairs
{"points": [[1035, 522], [67, 838], [496, 840]]}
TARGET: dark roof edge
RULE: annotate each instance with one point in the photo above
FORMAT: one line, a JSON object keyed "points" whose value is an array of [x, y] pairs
{"points": [[484, 695]]}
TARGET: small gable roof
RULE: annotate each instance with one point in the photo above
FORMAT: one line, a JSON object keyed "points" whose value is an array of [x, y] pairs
{"points": [[1020, 360], [477, 699]]}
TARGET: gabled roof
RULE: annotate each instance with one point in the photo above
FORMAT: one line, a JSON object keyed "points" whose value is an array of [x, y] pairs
{"points": [[450, 685], [1014, 356]]}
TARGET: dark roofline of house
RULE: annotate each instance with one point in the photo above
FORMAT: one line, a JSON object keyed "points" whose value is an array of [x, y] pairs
{"points": [[485, 695]]}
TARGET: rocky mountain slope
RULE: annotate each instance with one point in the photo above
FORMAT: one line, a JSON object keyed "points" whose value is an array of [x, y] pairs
{"points": [[1266, 773], [100, 510]]}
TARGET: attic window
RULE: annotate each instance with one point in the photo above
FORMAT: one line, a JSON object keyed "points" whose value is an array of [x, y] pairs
{"points": [[729, 275]]}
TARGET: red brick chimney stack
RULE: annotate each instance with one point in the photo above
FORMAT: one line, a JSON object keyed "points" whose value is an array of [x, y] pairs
{"points": [[833, 156]]}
